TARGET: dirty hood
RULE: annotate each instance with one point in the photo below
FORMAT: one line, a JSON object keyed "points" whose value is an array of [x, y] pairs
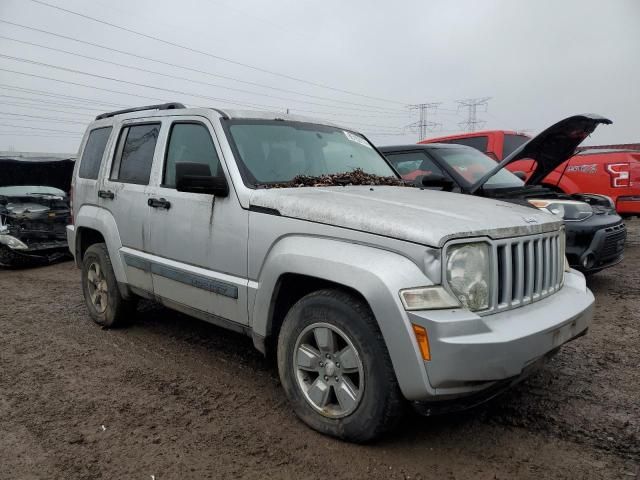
{"points": [[421, 216], [552, 147], [43, 171]]}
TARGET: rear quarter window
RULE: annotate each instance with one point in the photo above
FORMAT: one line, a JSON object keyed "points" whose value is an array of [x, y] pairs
{"points": [[511, 142], [93, 153]]}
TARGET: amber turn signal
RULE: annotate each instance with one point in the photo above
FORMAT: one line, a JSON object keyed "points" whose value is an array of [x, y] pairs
{"points": [[423, 341]]}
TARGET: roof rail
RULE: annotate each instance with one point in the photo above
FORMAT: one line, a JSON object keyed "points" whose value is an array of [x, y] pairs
{"points": [[161, 106]]}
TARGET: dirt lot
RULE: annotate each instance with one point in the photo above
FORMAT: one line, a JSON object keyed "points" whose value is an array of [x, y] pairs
{"points": [[175, 398]]}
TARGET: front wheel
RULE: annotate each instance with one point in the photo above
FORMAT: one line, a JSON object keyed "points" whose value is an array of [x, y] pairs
{"points": [[335, 368]]}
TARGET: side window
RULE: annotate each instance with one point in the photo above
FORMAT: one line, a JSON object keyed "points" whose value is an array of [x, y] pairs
{"points": [[134, 154], [479, 143], [189, 142], [411, 164], [93, 152]]}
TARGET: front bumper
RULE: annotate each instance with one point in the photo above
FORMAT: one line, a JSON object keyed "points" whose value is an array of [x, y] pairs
{"points": [[470, 353], [591, 250]]}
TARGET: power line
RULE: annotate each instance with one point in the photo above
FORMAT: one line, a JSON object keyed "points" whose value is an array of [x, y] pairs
{"points": [[472, 104], [122, 81], [39, 128], [217, 57], [12, 114], [57, 95], [215, 75], [39, 107], [176, 77], [30, 134]]}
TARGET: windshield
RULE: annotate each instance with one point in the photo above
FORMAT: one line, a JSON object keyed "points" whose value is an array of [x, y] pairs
{"points": [[276, 152], [470, 165], [18, 191]]}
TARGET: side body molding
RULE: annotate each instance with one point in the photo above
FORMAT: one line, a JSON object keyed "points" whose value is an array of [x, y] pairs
{"points": [[378, 275]]}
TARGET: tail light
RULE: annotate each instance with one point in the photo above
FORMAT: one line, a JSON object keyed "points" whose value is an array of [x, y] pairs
{"points": [[619, 173], [71, 205]]}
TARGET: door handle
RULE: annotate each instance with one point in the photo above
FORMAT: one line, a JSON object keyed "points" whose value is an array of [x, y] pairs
{"points": [[159, 203], [106, 194]]}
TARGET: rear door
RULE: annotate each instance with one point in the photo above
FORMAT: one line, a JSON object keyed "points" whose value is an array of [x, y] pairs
{"points": [[198, 242], [85, 187], [125, 192]]}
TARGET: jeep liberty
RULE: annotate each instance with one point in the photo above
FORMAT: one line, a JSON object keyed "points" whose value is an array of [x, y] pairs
{"points": [[373, 296]]}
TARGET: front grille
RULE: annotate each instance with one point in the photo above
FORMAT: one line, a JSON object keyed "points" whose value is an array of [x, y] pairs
{"points": [[614, 241], [526, 269]]}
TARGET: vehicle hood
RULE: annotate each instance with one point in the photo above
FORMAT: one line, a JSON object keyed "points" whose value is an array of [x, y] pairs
{"points": [[421, 216], [552, 147], [43, 171]]}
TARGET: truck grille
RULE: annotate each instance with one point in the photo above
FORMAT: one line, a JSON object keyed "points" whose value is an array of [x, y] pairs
{"points": [[614, 241], [527, 269]]}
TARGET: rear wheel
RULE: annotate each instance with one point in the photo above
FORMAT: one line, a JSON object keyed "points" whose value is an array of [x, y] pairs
{"points": [[335, 368], [106, 305]]}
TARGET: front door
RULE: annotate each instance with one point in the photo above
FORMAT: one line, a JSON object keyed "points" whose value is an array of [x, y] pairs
{"points": [[198, 241]]}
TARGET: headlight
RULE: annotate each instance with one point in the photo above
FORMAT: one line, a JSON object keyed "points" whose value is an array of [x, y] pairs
{"points": [[12, 242], [467, 271], [427, 298], [569, 210]]}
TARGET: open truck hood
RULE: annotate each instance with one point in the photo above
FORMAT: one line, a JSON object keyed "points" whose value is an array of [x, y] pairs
{"points": [[43, 171], [552, 147]]}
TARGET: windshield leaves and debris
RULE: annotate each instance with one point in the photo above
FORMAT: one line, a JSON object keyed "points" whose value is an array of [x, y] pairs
{"points": [[355, 177]]}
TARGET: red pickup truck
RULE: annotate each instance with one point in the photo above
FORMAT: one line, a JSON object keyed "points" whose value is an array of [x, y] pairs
{"points": [[614, 172]]}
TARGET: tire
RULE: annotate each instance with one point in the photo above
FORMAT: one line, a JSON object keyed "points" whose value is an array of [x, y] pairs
{"points": [[111, 309], [379, 403]]}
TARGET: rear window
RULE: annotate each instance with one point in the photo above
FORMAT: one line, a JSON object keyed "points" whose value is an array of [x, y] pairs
{"points": [[134, 155], [511, 142], [479, 143], [93, 152]]}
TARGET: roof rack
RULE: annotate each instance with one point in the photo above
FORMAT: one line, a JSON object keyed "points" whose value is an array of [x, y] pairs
{"points": [[161, 106]]}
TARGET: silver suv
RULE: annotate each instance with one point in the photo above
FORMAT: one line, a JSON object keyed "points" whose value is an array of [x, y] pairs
{"points": [[372, 296]]}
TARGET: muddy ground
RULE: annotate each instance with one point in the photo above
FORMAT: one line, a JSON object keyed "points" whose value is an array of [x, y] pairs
{"points": [[175, 398]]}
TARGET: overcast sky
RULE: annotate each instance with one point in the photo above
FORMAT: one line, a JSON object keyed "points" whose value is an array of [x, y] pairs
{"points": [[359, 63]]}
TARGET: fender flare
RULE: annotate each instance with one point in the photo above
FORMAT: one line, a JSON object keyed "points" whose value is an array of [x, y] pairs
{"points": [[377, 274], [99, 219]]}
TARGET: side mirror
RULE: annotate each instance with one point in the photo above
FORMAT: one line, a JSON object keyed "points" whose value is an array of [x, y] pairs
{"points": [[434, 180], [521, 175], [196, 178]]}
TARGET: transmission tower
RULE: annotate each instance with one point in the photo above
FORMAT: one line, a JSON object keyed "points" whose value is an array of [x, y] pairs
{"points": [[424, 125], [472, 104]]}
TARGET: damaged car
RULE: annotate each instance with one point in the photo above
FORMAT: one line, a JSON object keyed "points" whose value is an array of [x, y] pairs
{"points": [[596, 234], [34, 210]]}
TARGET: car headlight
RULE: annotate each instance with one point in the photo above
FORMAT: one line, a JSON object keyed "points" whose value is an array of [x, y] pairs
{"points": [[569, 210], [12, 242], [467, 272]]}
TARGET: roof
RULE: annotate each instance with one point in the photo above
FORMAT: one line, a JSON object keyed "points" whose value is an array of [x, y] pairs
{"points": [[177, 109]]}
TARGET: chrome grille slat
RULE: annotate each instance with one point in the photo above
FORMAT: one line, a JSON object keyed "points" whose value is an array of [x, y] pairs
{"points": [[526, 269], [530, 270]]}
